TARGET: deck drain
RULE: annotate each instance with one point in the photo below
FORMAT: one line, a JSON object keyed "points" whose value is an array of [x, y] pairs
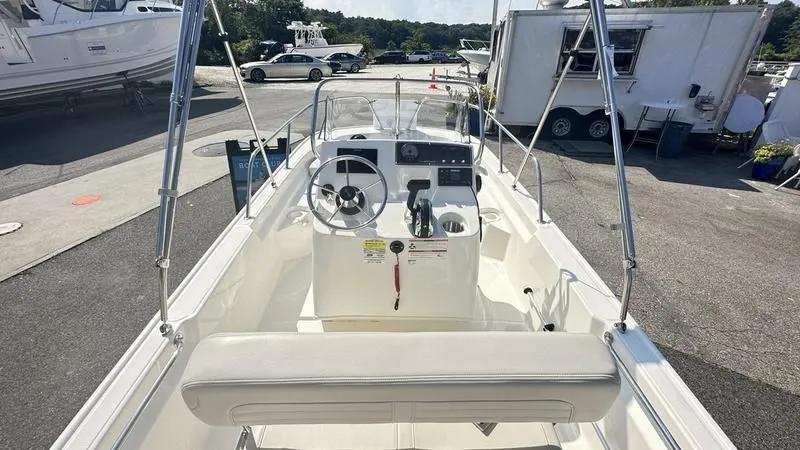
{"points": [[9, 227], [210, 150]]}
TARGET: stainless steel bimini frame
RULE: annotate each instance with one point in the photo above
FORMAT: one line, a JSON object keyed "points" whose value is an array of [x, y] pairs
{"points": [[597, 19]]}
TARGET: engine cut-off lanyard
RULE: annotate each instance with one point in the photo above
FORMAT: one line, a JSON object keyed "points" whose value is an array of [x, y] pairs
{"points": [[397, 282], [396, 247]]}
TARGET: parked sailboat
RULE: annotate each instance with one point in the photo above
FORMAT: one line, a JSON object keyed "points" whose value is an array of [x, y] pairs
{"points": [[56, 47], [392, 285]]}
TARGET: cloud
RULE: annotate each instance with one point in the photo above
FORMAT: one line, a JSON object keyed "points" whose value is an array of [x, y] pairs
{"points": [[440, 11]]}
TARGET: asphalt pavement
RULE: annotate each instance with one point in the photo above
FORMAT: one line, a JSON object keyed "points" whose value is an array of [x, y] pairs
{"points": [[716, 254]]}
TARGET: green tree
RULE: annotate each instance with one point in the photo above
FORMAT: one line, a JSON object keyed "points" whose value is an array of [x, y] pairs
{"points": [[391, 45], [792, 41], [415, 42], [767, 52]]}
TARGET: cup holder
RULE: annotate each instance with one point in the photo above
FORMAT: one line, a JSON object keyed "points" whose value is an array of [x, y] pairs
{"points": [[451, 226]]}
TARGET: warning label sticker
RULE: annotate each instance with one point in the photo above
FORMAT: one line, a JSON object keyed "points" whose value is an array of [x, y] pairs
{"points": [[426, 250], [374, 251]]}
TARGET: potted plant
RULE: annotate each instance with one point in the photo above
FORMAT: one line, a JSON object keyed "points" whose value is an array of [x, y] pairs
{"points": [[452, 109], [488, 97], [768, 159]]}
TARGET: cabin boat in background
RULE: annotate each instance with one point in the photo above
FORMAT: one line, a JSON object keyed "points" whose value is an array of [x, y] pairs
{"points": [[57, 47], [475, 52], [308, 39]]}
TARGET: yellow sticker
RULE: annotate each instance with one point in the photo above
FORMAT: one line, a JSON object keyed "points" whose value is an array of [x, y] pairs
{"points": [[374, 251]]}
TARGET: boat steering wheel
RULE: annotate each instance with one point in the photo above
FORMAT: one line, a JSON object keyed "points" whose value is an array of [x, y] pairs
{"points": [[350, 200]]}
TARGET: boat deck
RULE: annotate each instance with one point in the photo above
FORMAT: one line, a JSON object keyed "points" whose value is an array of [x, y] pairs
{"points": [[518, 436]]}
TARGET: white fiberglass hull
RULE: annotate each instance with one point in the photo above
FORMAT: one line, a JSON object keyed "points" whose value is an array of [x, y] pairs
{"points": [[74, 57], [478, 58], [323, 51], [228, 292]]}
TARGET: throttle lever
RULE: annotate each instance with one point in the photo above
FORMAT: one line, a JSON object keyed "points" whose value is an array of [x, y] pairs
{"points": [[414, 186]]}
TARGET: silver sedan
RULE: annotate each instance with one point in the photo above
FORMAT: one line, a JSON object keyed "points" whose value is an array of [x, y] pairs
{"points": [[286, 65]]}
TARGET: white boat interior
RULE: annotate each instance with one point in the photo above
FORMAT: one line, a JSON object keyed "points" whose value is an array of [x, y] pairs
{"points": [[391, 286]]}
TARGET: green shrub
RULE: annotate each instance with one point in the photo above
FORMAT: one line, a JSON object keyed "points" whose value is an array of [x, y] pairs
{"points": [[246, 50], [765, 152]]}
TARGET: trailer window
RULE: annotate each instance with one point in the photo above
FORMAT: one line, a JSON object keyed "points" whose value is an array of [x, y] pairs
{"points": [[626, 48]]}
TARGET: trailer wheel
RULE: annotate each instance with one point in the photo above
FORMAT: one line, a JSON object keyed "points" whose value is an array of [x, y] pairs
{"points": [[561, 124], [599, 127]]}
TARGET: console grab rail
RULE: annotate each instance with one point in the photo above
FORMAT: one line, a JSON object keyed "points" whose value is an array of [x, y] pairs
{"points": [[260, 150], [504, 130]]}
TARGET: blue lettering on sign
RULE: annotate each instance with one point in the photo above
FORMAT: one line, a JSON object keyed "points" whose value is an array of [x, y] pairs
{"points": [[240, 164]]}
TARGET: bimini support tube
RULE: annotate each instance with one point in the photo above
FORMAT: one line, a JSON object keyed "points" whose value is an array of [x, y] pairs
{"points": [[606, 55], [182, 81], [597, 18], [552, 98]]}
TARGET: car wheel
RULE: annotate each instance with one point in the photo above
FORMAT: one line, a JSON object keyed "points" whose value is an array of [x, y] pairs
{"points": [[315, 75], [355, 68], [257, 75]]}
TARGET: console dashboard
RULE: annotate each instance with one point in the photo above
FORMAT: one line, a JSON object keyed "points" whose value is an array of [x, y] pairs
{"points": [[432, 154]]}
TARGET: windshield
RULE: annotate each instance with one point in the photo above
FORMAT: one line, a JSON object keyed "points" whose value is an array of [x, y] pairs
{"points": [[421, 108]]}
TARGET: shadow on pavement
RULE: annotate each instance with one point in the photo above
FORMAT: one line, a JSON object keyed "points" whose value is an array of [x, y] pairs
{"points": [[47, 137]]}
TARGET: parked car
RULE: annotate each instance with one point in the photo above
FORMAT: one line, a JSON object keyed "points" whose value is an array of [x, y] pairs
{"points": [[438, 57], [335, 66], [455, 58], [390, 57], [347, 61], [287, 65], [420, 56]]}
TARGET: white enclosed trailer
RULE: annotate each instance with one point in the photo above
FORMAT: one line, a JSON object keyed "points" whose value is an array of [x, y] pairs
{"points": [[696, 56]]}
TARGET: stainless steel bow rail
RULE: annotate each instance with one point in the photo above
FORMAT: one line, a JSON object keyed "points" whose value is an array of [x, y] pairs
{"points": [[177, 342], [650, 411]]}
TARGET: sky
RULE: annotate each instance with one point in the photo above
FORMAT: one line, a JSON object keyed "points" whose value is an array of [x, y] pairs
{"points": [[441, 11]]}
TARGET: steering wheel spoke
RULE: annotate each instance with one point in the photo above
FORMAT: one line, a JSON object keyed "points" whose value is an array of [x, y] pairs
{"points": [[350, 200], [362, 211]]}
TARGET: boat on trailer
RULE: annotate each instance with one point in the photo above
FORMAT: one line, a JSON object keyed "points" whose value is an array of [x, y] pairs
{"points": [[391, 285]]}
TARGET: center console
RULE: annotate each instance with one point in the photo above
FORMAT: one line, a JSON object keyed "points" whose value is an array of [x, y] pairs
{"points": [[420, 257]]}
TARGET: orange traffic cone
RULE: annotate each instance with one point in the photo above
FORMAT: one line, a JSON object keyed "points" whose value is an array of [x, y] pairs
{"points": [[433, 79]]}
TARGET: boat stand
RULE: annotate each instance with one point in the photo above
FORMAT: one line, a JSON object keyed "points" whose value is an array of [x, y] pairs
{"points": [[133, 94], [70, 103]]}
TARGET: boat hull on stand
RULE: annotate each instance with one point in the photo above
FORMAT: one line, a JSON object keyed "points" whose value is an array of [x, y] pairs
{"points": [[74, 57]]}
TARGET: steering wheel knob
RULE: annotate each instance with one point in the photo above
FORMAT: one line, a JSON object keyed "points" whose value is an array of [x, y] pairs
{"points": [[348, 193]]}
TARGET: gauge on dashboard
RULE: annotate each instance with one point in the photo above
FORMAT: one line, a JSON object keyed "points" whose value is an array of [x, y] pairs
{"points": [[409, 152]]}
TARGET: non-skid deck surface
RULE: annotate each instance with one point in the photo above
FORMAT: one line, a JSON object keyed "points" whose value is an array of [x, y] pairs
{"points": [[499, 306], [516, 436]]}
